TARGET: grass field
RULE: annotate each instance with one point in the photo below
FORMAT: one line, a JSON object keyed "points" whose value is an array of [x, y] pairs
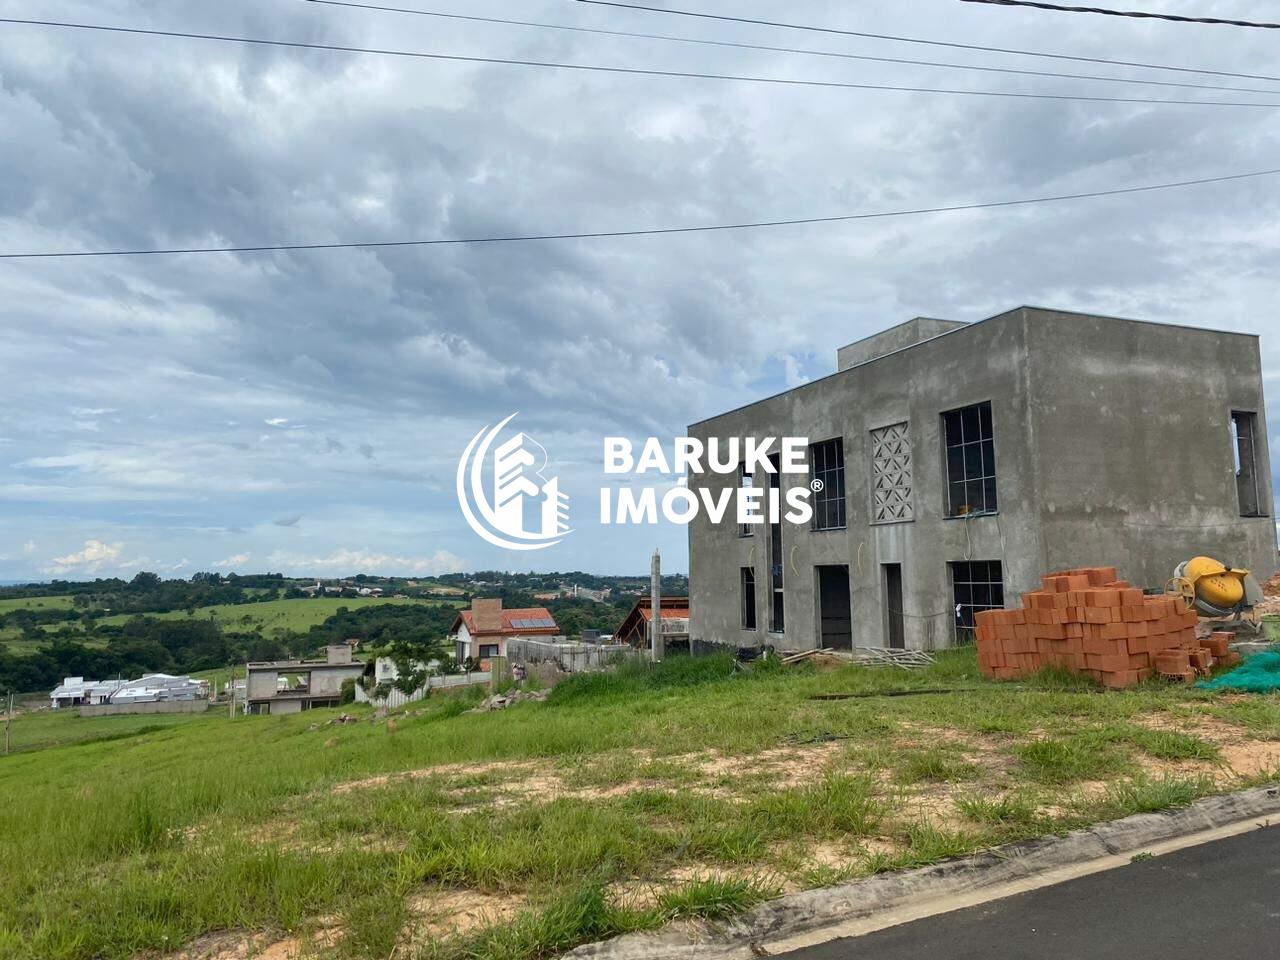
{"points": [[44, 729], [620, 803], [291, 615], [10, 604]]}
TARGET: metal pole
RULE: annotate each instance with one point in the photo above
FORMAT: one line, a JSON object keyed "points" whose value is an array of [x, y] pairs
{"points": [[8, 719], [655, 607]]}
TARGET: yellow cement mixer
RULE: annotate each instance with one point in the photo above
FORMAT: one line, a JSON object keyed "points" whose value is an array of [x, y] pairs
{"points": [[1215, 590]]}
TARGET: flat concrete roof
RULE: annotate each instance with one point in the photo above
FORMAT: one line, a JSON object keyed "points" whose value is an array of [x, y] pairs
{"points": [[302, 665], [960, 330], [870, 336]]}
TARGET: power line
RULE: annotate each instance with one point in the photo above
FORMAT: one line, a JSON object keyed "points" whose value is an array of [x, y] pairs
{"points": [[931, 43], [772, 49], [605, 234], [1141, 14], [634, 71]]}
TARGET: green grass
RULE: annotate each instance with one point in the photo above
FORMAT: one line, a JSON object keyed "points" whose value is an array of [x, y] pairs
{"points": [[1016, 809], [9, 604], [932, 765], [1081, 756], [43, 729], [201, 824], [296, 615]]}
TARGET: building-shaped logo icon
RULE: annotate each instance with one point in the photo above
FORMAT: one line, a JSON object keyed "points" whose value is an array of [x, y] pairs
{"points": [[520, 508]]}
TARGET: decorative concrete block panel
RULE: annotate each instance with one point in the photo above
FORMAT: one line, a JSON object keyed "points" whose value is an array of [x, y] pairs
{"points": [[891, 491]]}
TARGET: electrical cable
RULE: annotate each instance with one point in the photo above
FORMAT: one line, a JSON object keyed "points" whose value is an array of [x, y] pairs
{"points": [[792, 50], [656, 231], [920, 40], [1141, 14], [634, 71]]}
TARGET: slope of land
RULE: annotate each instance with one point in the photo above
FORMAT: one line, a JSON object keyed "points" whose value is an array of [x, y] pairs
{"points": [[622, 802]]}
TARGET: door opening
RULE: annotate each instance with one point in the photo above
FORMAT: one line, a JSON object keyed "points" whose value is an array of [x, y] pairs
{"points": [[895, 634], [835, 616]]}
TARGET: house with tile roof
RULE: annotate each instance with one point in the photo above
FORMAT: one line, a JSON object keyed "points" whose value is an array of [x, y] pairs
{"points": [[675, 622], [482, 631]]}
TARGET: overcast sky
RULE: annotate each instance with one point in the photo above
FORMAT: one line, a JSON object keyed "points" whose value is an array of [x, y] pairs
{"points": [[305, 411]]}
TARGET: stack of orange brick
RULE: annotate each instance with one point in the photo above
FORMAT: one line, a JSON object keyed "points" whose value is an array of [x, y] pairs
{"points": [[1089, 621]]}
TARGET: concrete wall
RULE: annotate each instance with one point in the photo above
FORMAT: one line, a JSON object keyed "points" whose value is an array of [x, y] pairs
{"points": [[1132, 427], [895, 338], [1112, 446], [980, 362], [261, 684], [156, 706]]}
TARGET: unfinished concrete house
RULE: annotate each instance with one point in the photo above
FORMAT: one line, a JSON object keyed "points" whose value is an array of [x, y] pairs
{"points": [[291, 686], [960, 461]]}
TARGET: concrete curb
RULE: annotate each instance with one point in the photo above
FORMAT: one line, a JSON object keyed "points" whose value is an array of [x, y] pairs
{"points": [[808, 912]]}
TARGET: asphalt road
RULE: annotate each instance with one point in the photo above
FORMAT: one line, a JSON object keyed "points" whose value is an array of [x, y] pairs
{"points": [[1210, 902]]}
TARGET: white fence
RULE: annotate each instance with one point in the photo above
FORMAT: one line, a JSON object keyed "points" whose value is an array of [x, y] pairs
{"points": [[397, 698], [570, 657]]}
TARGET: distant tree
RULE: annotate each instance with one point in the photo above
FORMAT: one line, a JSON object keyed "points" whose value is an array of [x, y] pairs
{"points": [[144, 581]]}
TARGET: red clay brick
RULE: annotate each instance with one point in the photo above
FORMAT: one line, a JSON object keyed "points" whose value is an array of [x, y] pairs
{"points": [[1120, 679]]}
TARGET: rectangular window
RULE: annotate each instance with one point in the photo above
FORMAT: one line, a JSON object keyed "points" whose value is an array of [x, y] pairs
{"points": [[826, 464], [744, 481], [971, 460], [488, 650], [748, 599], [1243, 433], [975, 585]]}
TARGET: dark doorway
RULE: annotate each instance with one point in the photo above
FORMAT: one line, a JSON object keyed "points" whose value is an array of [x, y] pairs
{"points": [[893, 622], [835, 618]]}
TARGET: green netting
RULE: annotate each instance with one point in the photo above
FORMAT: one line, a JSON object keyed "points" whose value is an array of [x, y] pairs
{"points": [[1258, 674]]}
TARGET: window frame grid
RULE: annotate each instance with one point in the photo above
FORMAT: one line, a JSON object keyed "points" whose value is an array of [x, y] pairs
{"points": [[746, 480], [993, 589], [982, 447], [831, 468]]}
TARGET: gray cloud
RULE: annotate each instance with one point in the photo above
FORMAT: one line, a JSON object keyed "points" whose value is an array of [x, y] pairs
{"points": [[226, 388]]}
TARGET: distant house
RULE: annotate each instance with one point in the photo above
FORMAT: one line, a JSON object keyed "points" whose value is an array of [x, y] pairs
{"points": [[79, 692], [482, 631], [675, 622], [160, 687], [153, 688], [290, 686]]}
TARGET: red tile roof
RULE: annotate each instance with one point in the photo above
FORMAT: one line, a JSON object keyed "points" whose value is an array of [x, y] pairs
{"points": [[508, 627], [632, 629]]}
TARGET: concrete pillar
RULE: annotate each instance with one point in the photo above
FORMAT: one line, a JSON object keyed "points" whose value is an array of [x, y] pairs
{"points": [[655, 606]]}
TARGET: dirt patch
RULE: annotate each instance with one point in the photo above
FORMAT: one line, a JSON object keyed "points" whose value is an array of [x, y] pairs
{"points": [[437, 914], [539, 781], [788, 766], [1242, 756], [1251, 757], [508, 768], [241, 945]]}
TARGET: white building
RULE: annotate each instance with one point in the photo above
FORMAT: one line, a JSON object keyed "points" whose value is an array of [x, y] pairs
{"points": [[152, 688]]}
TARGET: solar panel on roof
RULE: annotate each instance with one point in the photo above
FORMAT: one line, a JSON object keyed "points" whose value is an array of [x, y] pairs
{"points": [[526, 623]]}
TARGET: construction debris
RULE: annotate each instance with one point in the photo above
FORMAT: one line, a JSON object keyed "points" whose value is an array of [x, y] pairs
{"points": [[500, 701], [885, 656], [802, 655], [863, 656], [1088, 621]]}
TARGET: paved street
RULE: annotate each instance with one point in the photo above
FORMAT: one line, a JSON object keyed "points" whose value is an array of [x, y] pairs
{"points": [[1216, 900]]}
